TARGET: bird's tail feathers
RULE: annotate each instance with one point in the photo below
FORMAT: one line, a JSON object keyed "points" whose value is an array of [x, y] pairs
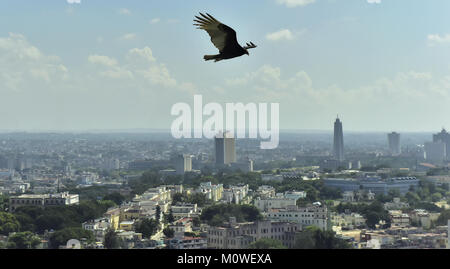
{"points": [[212, 57]]}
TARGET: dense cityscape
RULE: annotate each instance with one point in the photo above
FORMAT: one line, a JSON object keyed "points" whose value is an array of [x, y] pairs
{"points": [[150, 191]]}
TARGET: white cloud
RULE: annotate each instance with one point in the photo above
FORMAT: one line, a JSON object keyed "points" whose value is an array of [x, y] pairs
{"points": [[102, 60], [384, 102], [23, 65], [139, 55], [435, 39], [374, 1], [155, 20], [283, 34], [139, 65], [124, 11], [295, 3], [74, 1], [128, 36]]}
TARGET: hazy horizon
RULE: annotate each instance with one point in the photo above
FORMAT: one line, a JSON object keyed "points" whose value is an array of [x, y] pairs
{"points": [[383, 66]]}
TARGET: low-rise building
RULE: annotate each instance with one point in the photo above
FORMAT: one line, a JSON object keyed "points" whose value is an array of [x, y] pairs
{"points": [[396, 205], [348, 221], [181, 226], [127, 225], [98, 227], [188, 243], [181, 210], [265, 205], [240, 235], [399, 219], [43, 200], [113, 216], [265, 192], [306, 216], [212, 192], [235, 194]]}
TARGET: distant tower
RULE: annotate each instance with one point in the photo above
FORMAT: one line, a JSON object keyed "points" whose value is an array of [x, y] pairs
{"points": [[225, 146], [443, 137], [394, 143], [183, 163], [338, 147]]}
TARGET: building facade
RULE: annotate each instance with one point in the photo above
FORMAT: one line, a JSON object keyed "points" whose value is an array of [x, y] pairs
{"points": [[43, 200], [394, 143], [241, 235], [225, 149], [307, 216]]}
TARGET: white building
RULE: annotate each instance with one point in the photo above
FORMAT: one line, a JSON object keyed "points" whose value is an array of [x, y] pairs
{"points": [[185, 210], [240, 235], [181, 226], [43, 200], [277, 202], [295, 195], [98, 227], [348, 196], [265, 192], [188, 243], [235, 194], [399, 219], [307, 216], [395, 205], [212, 192], [348, 221]]}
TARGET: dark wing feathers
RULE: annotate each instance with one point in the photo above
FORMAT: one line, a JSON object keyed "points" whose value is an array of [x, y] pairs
{"points": [[222, 36]]}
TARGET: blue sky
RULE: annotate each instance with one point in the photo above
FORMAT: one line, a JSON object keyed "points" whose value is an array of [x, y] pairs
{"points": [[123, 64]]}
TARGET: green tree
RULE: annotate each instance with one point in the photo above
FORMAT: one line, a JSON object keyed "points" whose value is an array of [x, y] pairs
{"points": [[8, 223], [314, 238], [169, 233], [217, 214], [196, 221], [158, 213], [147, 227], [116, 197], [61, 237], [111, 241], [198, 198], [267, 243], [169, 218], [4, 202], [436, 197], [443, 218], [23, 240], [179, 198]]}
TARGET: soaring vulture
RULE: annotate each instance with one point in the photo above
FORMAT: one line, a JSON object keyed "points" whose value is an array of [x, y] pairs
{"points": [[223, 37]]}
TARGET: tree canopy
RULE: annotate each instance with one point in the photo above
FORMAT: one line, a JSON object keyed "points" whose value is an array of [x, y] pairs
{"points": [[216, 215], [267, 243], [314, 238]]}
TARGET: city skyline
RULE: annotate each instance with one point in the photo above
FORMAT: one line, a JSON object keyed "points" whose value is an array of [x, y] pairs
{"points": [[116, 66]]}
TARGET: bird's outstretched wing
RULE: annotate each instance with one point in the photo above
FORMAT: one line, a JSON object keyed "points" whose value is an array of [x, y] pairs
{"points": [[222, 36]]}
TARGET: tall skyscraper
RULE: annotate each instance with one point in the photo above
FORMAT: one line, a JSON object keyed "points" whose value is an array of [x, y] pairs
{"points": [[435, 152], [183, 163], [394, 143], [225, 145], [443, 137], [338, 147]]}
